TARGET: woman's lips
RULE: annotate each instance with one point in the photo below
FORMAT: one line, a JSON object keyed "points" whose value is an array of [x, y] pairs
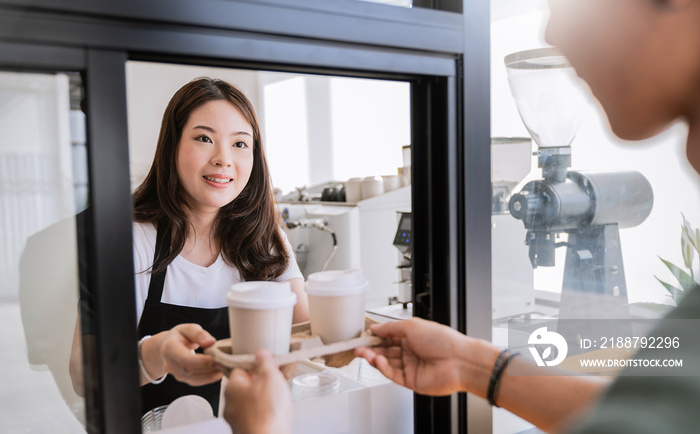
{"points": [[219, 181]]}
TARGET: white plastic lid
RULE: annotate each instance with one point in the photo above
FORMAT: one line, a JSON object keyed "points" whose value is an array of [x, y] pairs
{"points": [[314, 384], [261, 295], [336, 283]]}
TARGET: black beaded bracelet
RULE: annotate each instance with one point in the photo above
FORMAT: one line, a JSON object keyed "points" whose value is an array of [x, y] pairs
{"points": [[499, 375], [495, 374]]}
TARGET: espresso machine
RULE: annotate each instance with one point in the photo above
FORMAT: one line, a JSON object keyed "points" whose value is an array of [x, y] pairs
{"points": [[403, 241], [580, 210]]}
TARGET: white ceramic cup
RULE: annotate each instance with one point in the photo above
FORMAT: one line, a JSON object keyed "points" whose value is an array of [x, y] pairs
{"points": [[337, 304], [391, 182], [353, 190], [260, 316], [406, 175], [402, 177], [372, 186]]}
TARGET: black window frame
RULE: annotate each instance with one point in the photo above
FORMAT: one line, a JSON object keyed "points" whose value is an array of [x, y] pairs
{"points": [[445, 57]]}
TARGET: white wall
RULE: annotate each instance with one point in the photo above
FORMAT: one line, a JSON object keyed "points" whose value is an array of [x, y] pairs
{"points": [[371, 123], [285, 119]]}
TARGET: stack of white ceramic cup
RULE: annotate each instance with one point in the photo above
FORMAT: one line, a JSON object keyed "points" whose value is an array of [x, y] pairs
{"points": [[372, 186], [353, 190], [391, 183]]}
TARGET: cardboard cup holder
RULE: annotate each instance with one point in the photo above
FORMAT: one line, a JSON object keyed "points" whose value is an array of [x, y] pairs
{"points": [[303, 345]]}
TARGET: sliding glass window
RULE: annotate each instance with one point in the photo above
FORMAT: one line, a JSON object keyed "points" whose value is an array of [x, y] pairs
{"points": [[43, 186]]}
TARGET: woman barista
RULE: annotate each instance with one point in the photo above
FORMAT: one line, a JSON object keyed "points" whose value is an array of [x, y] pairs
{"points": [[204, 219]]}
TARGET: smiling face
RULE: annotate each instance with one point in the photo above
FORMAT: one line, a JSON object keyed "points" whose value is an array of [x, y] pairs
{"points": [[214, 156], [640, 57]]}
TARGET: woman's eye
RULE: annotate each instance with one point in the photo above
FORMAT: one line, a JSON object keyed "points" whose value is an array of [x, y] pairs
{"points": [[240, 144], [204, 139]]}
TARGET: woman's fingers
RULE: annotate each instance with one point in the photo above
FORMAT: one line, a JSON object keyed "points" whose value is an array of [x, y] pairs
{"points": [[186, 365], [196, 369], [195, 334], [194, 364]]}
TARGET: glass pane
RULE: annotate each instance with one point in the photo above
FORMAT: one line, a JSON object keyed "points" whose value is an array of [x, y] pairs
{"points": [[403, 3], [580, 228], [444, 5], [338, 151], [43, 184]]}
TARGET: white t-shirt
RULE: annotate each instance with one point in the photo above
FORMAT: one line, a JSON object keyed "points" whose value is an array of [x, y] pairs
{"points": [[188, 284]]}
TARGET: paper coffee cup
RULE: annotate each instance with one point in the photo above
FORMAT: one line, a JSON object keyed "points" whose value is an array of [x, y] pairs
{"points": [[260, 316], [337, 304]]}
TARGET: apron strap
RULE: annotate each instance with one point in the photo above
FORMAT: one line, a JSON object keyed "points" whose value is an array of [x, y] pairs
{"points": [[155, 288]]}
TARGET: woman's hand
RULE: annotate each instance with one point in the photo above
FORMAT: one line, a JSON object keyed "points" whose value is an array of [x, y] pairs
{"points": [[259, 402], [172, 352], [424, 356]]}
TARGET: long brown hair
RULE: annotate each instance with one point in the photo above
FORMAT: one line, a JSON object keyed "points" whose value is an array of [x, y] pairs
{"points": [[248, 227]]}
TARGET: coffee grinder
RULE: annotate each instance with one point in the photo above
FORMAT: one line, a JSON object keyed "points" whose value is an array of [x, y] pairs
{"points": [[590, 207]]}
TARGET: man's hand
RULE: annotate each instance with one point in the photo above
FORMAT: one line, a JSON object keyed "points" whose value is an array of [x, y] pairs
{"points": [[259, 402], [422, 355]]}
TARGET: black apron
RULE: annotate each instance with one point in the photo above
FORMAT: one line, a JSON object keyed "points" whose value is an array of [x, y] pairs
{"points": [[158, 317]]}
